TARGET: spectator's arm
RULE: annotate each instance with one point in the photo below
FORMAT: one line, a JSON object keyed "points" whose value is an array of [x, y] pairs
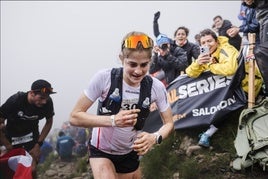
{"points": [[46, 129], [3, 140], [35, 151], [155, 65], [252, 27], [178, 59], [155, 24], [194, 70]]}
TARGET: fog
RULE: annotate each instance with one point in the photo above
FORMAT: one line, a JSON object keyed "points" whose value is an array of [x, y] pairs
{"points": [[66, 42]]}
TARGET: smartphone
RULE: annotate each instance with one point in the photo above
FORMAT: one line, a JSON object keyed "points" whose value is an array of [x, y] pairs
{"points": [[204, 50]]}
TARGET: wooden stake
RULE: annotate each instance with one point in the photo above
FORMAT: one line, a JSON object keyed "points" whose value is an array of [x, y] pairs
{"points": [[251, 75]]}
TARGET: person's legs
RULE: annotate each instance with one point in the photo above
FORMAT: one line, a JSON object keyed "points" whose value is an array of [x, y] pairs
{"points": [[205, 137], [212, 129], [102, 168], [133, 175], [104, 164]]}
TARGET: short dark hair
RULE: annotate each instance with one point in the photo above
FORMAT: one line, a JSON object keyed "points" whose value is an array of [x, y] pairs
{"points": [[61, 133], [208, 32], [218, 16], [183, 28]]}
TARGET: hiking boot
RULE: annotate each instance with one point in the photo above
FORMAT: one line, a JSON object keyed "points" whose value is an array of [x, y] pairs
{"points": [[204, 140]]}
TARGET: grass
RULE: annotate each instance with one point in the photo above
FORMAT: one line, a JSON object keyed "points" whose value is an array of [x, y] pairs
{"points": [[167, 159], [80, 165]]}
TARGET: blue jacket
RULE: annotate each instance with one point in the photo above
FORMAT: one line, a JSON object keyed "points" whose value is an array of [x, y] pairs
{"points": [[250, 24], [65, 146]]}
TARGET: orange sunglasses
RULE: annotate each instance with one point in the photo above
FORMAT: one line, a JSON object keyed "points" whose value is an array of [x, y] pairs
{"points": [[133, 41]]}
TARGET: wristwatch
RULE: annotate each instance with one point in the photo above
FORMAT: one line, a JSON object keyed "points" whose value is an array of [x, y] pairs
{"points": [[158, 138]]}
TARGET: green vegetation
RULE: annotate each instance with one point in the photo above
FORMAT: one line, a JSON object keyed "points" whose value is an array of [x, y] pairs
{"points": [[79, 165], [170, 157], [42, 168]]}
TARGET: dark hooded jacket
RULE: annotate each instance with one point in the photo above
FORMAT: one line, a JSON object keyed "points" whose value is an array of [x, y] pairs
{"points": [[172, 63], [234, 41]]}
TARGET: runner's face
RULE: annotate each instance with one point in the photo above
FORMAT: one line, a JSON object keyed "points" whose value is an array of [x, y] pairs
{"points": [[136, 67]]}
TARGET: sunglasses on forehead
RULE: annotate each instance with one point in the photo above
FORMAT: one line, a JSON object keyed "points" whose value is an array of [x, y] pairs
{"points": [[133, 41], [45, 90]]}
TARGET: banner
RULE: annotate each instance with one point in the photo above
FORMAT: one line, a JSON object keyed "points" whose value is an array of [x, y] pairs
{"points": [[197, 102], [16, 164]]}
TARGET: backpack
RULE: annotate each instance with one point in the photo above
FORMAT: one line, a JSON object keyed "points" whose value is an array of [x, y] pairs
{"points": [[251, 142], [110, 106]]}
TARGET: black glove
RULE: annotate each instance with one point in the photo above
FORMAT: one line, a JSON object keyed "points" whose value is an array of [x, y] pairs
{"points": [[156, 16]]}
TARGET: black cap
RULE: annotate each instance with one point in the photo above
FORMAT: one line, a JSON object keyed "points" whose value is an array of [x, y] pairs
{"points": [[42, 86]]}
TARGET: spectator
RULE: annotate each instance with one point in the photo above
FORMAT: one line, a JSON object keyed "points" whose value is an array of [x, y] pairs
{"points": [[197, 39], [221, 60], [23, 111], [81, 135], [222, 28], [180, 39], [242, 13], [261, 52], [46, 149], [124, 96], [172, 61], [80, 149], [65, 146], [81, 145], [250, 23]]}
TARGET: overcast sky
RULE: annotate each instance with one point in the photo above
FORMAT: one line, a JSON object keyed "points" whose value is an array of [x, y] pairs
{"points": [[66, 42]]}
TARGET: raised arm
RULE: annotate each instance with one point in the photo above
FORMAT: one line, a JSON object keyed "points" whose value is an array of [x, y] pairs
{"points": [[155, 24]]}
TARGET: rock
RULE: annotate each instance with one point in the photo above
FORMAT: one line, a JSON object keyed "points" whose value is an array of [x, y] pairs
{"points": [[51, 173]]}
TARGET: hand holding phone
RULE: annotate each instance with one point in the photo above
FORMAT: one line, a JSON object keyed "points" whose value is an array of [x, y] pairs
{"points": [[204, 57], [204, 50]]}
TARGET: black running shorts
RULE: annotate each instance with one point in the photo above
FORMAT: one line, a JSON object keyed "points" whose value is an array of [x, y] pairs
{"points": [[123, 163]]}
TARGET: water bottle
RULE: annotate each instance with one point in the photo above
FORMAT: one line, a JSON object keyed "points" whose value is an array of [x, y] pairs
{"points": [[146, 103], [115, 96]]}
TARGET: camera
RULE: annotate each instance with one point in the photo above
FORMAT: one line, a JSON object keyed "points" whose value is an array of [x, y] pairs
{"points": [[164, 47], [204, 50]]}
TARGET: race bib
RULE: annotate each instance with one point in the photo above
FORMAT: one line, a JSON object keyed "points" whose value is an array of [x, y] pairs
{"points": [[22, 139]]}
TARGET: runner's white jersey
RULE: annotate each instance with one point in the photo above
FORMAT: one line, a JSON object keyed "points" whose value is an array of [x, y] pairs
{"points": [[116, 140]]}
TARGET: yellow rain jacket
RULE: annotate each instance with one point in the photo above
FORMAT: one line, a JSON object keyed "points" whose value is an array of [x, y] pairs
{"points": [[258, 79], [226, 56]]}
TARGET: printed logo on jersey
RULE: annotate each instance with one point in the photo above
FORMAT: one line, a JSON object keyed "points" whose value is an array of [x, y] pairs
{"points": [[133, 92], [25, 117]]}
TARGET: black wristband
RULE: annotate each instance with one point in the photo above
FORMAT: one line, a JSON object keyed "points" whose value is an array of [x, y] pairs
{"points": [[40, 143]]}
